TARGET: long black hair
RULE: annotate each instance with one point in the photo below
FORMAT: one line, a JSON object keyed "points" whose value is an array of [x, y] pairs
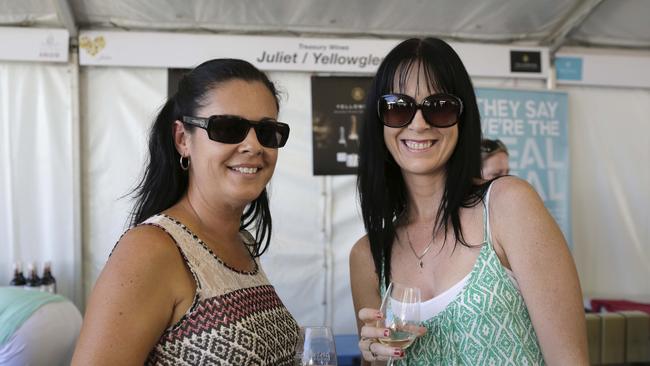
{"points": [[164, 182], [381, 187]]}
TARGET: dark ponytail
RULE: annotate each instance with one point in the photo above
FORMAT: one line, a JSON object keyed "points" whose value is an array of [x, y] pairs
{"points": [[164, 182]]}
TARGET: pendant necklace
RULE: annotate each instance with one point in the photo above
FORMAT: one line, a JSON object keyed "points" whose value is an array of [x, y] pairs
{"points": [[426, 250]]}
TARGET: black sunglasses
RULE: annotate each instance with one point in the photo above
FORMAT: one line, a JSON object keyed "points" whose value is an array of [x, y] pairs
{"points": [[438, 110], [233, 129]]}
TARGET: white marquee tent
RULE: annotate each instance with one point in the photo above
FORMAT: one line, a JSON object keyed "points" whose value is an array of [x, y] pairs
{"points": [[81, 80]]}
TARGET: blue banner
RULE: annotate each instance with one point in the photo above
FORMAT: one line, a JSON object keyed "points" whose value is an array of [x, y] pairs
{"points": [[534, 127]]}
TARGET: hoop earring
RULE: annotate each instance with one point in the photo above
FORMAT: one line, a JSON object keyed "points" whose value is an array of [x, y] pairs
{"points": [[185, 166]]}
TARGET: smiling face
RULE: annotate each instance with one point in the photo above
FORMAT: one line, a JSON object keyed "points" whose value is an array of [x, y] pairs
{"points": [[236, 173], [419, 148]]}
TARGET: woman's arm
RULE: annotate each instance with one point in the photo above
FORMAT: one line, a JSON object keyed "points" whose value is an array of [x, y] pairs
{"points": [[536, 250], [367, 301], [132, 302]]}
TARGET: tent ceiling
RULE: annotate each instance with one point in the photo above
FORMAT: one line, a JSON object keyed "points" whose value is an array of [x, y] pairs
{"points": [[600, 23]]}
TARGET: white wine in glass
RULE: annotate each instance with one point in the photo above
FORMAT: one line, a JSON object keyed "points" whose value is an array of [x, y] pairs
{"points": [[401, 309]]}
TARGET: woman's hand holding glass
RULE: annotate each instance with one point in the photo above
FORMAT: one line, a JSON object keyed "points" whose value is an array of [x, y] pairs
{"points": [[387, 332]]}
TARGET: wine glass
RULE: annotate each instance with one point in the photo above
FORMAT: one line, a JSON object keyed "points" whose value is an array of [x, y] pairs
{"points": [[315, 347], [401, 309]]}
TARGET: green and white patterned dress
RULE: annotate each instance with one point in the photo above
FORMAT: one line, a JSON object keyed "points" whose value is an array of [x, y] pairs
{"points": [[487, 323]]}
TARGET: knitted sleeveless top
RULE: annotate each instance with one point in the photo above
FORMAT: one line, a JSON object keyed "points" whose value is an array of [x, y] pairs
{"points": [[236, 318], [487, 323]]}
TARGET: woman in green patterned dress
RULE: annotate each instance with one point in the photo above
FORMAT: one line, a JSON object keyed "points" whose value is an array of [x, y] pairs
{"points": [[498, 283]]}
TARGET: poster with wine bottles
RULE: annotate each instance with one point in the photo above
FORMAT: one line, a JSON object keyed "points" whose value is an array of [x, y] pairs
{"points": [[338, 104]]}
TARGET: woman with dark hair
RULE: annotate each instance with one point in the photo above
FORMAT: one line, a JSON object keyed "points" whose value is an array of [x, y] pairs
{"points": [[497, 281], [184, 285]]}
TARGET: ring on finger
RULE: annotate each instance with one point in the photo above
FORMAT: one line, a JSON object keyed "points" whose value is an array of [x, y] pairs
{"points": [[374, 355], [368, 339]]}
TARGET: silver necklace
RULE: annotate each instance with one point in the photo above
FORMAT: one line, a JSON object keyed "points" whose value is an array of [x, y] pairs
{"points": [[426, 250]]}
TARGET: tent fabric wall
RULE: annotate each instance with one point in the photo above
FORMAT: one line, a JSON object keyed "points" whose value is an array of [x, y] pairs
{"points": [[610, 23], [610, 180], [37, 188], [335, 16], [117, 108]]}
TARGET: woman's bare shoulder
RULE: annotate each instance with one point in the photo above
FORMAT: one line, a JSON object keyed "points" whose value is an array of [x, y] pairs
{"points": [[145, 248], [517, 212], [361, 250], [512, 193]]}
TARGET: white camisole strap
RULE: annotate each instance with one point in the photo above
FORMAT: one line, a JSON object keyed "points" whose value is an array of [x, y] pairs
{"points": [[511, 275], [487, 214]]}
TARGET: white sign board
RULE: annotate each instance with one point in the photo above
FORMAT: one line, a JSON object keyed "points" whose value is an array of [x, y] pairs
{"points": [[33, 44], [338, 55], [623, 69]]}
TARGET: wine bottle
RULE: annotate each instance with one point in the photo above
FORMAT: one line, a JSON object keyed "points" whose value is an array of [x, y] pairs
{"points": [[48, 282], [33, 281], [19, 279]]}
